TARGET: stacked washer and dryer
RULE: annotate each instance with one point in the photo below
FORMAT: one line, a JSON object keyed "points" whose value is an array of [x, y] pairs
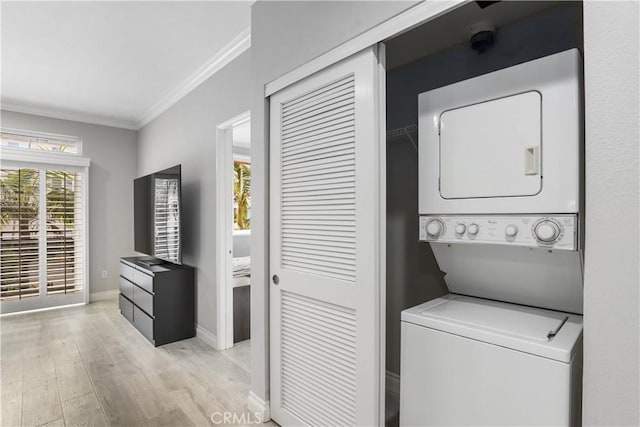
{"points": [[500, 197]]}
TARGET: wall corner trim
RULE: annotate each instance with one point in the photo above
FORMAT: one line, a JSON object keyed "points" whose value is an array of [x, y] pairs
{"points": [[259, 406], [224, 56], [207, 336], [76, 116]]}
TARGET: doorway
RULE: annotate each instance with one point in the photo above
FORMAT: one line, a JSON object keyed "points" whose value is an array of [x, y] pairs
{"points": [[233, 174]]}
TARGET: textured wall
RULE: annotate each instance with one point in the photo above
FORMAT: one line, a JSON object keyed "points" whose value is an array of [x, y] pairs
{"points": [[611, 282]]}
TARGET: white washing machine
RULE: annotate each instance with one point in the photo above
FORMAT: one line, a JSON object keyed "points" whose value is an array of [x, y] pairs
{"points": [[500, 196], [468, 361]]}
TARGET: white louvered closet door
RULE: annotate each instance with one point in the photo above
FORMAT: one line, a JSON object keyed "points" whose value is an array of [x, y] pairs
{"points": [[324, 246]]}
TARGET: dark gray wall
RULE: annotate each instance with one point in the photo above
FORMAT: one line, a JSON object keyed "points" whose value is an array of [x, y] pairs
{"points": [[413, 276], [540, 35], [113, 154]]}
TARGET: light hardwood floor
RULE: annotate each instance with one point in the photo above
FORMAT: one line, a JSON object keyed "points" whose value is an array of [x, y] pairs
{"points": [[88, 366]]}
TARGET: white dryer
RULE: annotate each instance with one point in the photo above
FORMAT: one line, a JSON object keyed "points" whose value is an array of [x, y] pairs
{"points": [[505, 142], [500, 188], [469, 362]]}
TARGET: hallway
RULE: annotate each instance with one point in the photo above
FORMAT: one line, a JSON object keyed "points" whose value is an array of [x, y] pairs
{"points": [[88, 366]]}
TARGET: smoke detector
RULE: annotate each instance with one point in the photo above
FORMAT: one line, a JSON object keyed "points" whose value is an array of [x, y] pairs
{"points": [[481, 36]]}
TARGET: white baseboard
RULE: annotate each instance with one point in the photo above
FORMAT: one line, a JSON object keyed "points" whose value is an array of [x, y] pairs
{"points": [[104, 295], [392, 383], [207, 336], [259, 406], [38, 310]]}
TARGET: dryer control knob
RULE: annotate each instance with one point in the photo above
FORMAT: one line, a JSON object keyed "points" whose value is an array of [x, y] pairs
{"points": [[435, 228], [511, 230], [547, 231], [461, 228], [473, 229]]}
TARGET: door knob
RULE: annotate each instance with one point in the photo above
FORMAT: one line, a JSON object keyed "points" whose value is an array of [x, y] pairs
{"points": [[275, 279]]}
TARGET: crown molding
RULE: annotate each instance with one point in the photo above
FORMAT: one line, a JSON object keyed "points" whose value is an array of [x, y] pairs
{"points": [[227, 54], [75, 116]]}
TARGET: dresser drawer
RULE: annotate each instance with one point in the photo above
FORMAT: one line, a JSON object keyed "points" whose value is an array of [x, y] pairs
{"points": [[126, 308], [126, 271], [143, 280], [143, 323], [126, 288], [143, 299]]}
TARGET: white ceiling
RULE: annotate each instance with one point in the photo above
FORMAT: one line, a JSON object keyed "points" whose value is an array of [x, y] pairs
{"points": [[114, 63]]}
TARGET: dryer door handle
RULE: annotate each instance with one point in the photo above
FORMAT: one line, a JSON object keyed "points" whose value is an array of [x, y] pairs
{"points": [[532, 160]]}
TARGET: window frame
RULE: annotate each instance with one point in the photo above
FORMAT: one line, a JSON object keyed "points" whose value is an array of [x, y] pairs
{"points": [[47, 160], [76, 140]]}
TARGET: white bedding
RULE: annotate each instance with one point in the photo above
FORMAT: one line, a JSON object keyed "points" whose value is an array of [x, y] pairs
{"points": [[242, 266], [241, 281]]}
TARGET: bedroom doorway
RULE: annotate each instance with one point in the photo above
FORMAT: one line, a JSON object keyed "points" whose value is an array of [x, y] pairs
{"points": [[233, 166]]}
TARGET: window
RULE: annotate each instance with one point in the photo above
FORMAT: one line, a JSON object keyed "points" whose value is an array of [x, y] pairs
{"points": [[167, 219], [43, 208], [34, 200], [64, 219], [20, 233], [27, 140], [241, 195]]}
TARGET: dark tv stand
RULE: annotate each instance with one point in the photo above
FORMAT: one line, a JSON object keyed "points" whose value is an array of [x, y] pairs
{"points": [[150, 261], [159, 300]]}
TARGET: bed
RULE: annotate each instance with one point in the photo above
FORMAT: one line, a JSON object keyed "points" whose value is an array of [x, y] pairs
{"points": [[241, 288], [241, 271]]}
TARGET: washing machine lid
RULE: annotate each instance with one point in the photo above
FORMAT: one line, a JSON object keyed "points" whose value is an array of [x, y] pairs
{"points": [[541, 332], [549, 279]]}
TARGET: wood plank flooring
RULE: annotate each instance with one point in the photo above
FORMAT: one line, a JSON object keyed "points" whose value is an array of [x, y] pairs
{"points": [[87, 366]]}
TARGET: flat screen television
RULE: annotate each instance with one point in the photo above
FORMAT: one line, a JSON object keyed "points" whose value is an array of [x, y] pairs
{"points": [[157, 211]]}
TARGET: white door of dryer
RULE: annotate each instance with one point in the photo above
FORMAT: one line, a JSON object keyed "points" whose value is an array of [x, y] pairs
{"points": [[505, 142], [492, 149]]}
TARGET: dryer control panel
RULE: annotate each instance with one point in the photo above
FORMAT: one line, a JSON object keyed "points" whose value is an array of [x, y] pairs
{"points": [[552, 232]]}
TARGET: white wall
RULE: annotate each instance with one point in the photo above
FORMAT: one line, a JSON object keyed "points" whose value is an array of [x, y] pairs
{"points": [[241, 243], [285, 35], [186, 134], [611, 321], [113, 154]]}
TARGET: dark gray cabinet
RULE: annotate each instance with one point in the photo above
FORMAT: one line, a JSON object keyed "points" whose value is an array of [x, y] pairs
{"points": [[158, 300]]}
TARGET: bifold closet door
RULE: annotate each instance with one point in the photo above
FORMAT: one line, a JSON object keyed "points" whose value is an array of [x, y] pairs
{"points": [[324, 246]]}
